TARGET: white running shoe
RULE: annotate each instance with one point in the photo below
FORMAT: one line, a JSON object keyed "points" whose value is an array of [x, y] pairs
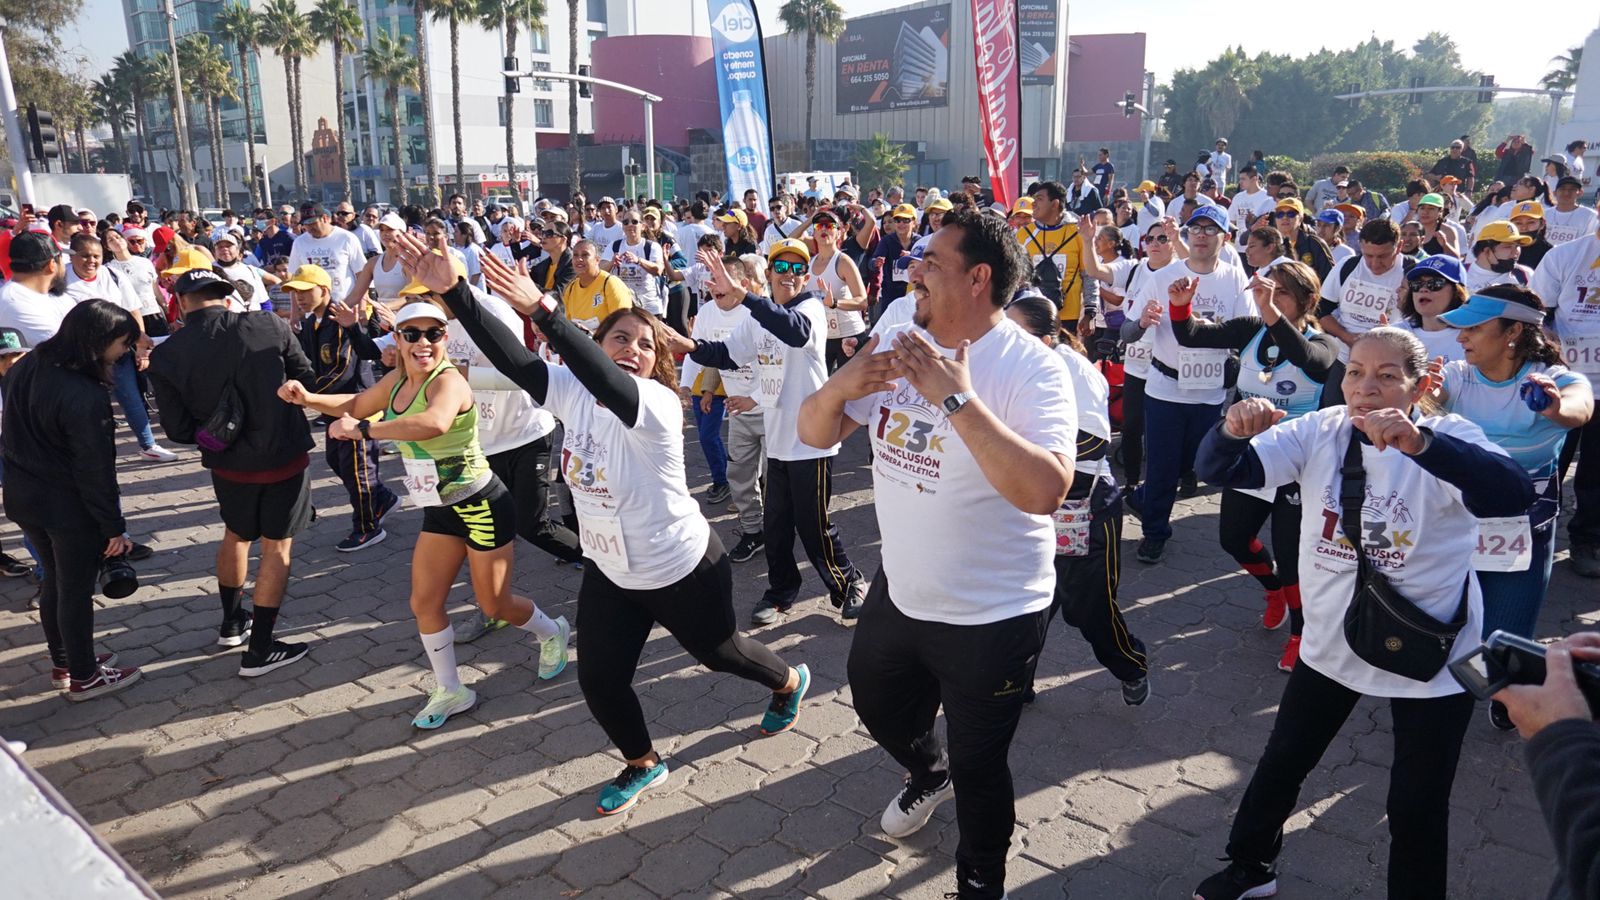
{"points": [[910, 809], [158, 453], [553, 651], [443, 704]]}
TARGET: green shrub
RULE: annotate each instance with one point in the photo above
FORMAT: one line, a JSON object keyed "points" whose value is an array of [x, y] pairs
{"points": [[1299, 171], [1385, 171]]}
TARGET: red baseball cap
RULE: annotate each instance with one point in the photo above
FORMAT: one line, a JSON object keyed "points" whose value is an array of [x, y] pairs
{"points": [[160, 238]]}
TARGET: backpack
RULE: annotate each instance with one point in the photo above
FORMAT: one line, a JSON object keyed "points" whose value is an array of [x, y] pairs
{"points": [[1349, 266]]}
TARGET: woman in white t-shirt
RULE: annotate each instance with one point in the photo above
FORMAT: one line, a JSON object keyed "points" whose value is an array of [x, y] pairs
{"points": [[1426, 479], [1432, 288], [1159, 242], [1110, 264], [652, 558], [836, 280]]}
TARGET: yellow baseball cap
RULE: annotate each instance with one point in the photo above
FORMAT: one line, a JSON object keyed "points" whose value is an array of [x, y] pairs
{"points": [[1350, 209], [1023, 207], [904, 211], [1531, 209], [307, 277], [1503, 232], [788, 245], [734, 215], [187, 259], [416, 287], [941, 205], [1292, 203], [1148, 186]]}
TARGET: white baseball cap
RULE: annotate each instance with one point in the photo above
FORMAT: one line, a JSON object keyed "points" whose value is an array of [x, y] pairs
{"points": [[393, 221]]}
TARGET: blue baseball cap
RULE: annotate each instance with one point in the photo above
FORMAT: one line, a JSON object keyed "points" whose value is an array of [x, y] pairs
{"points": [[1209, 213], [1479, 309], [1446, 267], [1332, 217]]}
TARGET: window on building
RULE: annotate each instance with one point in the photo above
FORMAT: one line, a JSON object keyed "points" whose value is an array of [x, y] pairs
{"points": [[541, 84], [597, 11], [544, 114], [539, 40], [500, 111]]}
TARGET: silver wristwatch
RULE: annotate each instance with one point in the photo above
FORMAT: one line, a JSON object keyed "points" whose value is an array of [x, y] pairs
{"points": [[954, 402]]}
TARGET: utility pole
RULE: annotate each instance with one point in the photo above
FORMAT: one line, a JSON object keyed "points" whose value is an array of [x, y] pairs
{"points": [[8, 109], [1486, 89], [650, 100], [180, 116]]}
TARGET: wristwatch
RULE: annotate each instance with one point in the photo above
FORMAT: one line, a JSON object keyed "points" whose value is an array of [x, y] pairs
{"points": [[954, 402], [364, 427]]}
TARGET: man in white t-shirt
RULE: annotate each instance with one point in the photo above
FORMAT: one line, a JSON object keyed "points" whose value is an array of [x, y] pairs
{"points": [[336, 250], [1250, 204], [1495, 257], [247, 279], [1361, 294], [607, 230], [35, 300], [1220, 164], [780, 224], [1566, 220], [973, 432]]}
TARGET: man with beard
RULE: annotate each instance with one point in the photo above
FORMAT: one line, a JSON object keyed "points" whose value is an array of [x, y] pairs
{"points": [[35, 300]]}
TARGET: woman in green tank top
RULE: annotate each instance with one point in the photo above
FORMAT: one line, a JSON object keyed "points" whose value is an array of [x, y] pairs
{"points": [[427, 408]]}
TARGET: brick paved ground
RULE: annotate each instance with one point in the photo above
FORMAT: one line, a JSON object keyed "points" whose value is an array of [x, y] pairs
{"points": [[311, 782]]}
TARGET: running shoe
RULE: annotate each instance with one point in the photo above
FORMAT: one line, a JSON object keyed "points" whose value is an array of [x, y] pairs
{"points": [[553, 651], [236, 630], [1188, 486], [784, 710], [280, 654], [1151, 550], [855, 597], [1136, 691], [1239, 881], [476, 627], [912, 807], [61, 676], [624, 790], [443, 704], [11, 567], [1291, 654], [767, 613], [359, 541], [747, 547], [1277, 610], [1586, 560], [140, 552], [158, 453], [391, 506], [1500, 717], [719, 493], [104, 681]]}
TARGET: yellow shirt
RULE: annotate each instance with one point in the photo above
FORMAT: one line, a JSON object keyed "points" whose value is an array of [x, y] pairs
{"points": [[1062, 246], [588, 306]]}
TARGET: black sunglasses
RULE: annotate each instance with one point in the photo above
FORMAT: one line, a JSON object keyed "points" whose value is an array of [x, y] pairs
{"points": [[1429, 284], [413, 335]]}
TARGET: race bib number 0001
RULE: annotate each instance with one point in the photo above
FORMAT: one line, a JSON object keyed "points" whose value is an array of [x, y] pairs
{"points": [[1582, 354], [1504, 545], [602, 541], [422, 482], [1201, 370]]}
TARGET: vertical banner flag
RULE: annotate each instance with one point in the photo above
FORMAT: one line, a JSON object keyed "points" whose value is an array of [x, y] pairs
{"points": [[994, 40], [742, 89]]}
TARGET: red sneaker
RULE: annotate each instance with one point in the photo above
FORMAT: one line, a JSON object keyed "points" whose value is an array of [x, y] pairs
{"points": [[1277, 610], [105, 681], [61, 678], [1291, 654]]}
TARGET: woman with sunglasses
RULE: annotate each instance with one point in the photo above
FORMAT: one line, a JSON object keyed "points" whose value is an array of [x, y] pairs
{"points": [[1286, 360], [1432, 288], [1111, 264], [1513, 385], [1289, 217], [890, 265], [638, 262], [1158, 242], [428, 409], [653, 558], [837, 282]]}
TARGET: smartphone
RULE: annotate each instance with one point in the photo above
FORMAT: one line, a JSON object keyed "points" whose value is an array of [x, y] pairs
{"points": [[1506, 659]]}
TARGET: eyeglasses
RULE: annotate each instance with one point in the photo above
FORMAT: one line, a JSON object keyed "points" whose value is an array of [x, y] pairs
{"points": [[825, 226], [775, 208], [1208, 230], [904, 219], [1156, 239], [1429, 284], [630, 221], [785, 267], [344, 212], [87, 223], [1285, 214], [413, 335]]}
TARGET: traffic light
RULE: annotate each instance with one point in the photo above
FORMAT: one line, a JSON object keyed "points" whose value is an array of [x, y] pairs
{"points": [[513, 82], [42, 134], [1486, 81], [1128, 101], [584, 88]]}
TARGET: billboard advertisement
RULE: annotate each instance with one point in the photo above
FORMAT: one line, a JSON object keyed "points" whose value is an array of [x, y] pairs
{"points": [[895, 61], [994, 45], [741, 65], [1036, 33]]}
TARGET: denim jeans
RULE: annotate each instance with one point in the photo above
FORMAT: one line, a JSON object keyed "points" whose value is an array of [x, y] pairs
{"points": [[126, 389], [709, 424], [1173, 432], [1512, 600]]}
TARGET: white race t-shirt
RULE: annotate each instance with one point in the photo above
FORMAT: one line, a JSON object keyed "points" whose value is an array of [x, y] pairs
{"points": [[646, 287], [1416, 531], [1246, 209], [1568, 280], [38, 316], [604, 236], [339, 254], [1220, 296], [785, 377], [713, 323], [250, 275], [1565, 227], [1363, 298], [1444, 342], [107, 285], [955, 550], [636, 518], [139, 274]]}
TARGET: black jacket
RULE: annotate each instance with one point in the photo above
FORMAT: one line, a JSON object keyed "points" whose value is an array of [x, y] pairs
{"points": [[564, 273], [60, 450], [1564, 760], [259, 352], [342, 357]]}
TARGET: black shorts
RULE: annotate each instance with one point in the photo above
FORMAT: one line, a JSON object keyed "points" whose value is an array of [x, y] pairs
{"points": [[277, 511], [487, 520]]}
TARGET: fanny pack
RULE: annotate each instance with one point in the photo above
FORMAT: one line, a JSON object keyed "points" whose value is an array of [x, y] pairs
{"points": [[225, 423], [1386, 630]]}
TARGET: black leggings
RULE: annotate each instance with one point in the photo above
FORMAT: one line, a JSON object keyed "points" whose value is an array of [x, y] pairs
{"points": [[525, 471], [1238, 526], [697, 610], [71, 565], [1132, 429], [1086, 591]]}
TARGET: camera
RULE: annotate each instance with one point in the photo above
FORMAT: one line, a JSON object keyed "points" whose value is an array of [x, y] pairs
{"points": [[117, 578], [1506, 659]]}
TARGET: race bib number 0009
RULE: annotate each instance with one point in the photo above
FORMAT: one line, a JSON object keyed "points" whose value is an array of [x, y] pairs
{"points": [[1201, 370]]}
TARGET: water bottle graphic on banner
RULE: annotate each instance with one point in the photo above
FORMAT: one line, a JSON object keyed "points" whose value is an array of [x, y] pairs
{"points": [[745, 135]]}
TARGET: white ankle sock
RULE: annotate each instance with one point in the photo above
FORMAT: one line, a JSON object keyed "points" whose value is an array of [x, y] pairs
{"points": [[441, 647], [541, 625]]}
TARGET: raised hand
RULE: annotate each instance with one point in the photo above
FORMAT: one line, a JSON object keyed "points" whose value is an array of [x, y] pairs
{"points": [[432, 269], [346, 316], [1181, 291], [511, 285], [867, 373], [1151, 315], [1391, 428], [934, 375], [1250, 417]]}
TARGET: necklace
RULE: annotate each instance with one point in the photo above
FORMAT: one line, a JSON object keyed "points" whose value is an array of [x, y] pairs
{"points": [[1272, 363]]}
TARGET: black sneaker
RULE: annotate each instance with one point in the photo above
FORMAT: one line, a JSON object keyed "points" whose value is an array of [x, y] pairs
{"points": [[747, 547], [1151, 550], [719, 493], [1136, 691], [11, 567], [1130, 499], [281, 654], [1239, 881], [140, 552], [236, 630], [1188, 486], [767, 613], [391, 506], [855, 597], [359, 541], [1500, 717]]}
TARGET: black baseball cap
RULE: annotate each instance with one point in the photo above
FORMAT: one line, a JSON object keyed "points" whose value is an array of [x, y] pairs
{"points": [[313, 210], [32, 251], [197, 281], [12, 341]]}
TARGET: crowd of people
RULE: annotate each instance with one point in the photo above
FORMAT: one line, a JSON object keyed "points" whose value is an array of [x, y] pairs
{"points": [[1418, 374]]}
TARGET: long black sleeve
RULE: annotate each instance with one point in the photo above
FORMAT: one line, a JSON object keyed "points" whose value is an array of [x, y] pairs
{"points": [[784, 322], [1471, 469], [360, 335], [85, 421], [1315, 356], [1229, 462], [1564, 760], [504, 349], [609, 384], [1233, 334], [176, 421]]}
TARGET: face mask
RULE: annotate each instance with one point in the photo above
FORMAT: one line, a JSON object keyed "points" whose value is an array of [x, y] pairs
{"points": [[261, 223], [1502, 266]]}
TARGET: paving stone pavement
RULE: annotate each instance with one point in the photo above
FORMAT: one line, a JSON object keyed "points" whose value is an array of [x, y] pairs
{"points": [[311, 782]]}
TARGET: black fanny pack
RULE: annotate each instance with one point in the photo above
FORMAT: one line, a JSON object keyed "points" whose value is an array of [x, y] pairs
{"points": [[1386, 630]]}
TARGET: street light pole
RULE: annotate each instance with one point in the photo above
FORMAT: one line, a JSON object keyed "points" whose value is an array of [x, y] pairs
{"points": [[650, 148], [649, 109], [8, 109], [180, 116]]}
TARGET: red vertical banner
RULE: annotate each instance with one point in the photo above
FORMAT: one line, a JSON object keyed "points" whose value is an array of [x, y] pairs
{"points": [[994, 42]]}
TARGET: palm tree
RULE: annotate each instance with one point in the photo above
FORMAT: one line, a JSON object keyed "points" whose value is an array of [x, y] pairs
{"points": [[207, 69], [133, 71], [161, 74], [572, 99], [1225, 86], [419, 13], [880, 162], [511, 13], [1565, 74], [455, 12], [389, 60], [818, 19], [112, 105], [238, 26], [337, 23], [289, 35]]}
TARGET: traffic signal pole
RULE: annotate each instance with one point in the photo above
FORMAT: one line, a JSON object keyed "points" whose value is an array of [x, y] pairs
{"points": [[8, 111], [650, 100]]}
